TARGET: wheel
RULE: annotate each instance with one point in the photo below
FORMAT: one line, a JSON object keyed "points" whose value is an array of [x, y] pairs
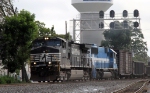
{"points": [[39, 81], [97, 76]]}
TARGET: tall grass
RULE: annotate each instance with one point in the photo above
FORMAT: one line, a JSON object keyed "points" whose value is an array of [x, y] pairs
{"points": [[8, 80]]}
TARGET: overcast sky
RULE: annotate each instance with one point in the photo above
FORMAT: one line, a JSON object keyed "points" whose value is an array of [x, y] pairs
{"points": [[56, 12]]}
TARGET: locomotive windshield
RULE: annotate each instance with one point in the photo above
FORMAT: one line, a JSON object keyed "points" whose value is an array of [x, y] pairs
{"points": [[38, 43], [53, 42], [43, 42]]}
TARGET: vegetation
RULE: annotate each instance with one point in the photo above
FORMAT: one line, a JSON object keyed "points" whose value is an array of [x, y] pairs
{"points": [[18, 31], [7, 8], [126, 39], [50, 32], [8, 80]]}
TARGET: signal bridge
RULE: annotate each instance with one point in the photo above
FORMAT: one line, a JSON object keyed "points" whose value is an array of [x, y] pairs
{"points": [[111, 21]]}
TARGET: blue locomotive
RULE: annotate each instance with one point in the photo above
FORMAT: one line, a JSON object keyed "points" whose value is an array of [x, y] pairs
{"points": [[103, 61], [55, 59]]}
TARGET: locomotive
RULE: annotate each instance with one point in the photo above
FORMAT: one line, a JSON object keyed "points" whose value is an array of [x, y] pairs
{"points": [[55, 59]]}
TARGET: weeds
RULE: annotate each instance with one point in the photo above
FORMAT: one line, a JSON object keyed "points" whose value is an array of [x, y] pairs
{"points": [[8, 80]]}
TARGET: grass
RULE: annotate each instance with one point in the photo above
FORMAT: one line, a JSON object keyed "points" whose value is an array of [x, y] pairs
{"points": [[8, 80]]}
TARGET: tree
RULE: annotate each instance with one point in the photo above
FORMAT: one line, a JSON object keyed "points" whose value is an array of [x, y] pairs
{"points": [[7, 8], [65, 36], [130, 39], [118, 38], [18, 33], [47, 32]]}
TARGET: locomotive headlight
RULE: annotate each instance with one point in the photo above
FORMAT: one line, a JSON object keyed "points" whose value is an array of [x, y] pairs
{"points": [[49, 62], [34, 63], [46, 38]]}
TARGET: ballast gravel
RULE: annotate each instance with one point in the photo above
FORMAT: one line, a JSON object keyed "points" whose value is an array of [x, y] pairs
{"points": [[103, 86]]}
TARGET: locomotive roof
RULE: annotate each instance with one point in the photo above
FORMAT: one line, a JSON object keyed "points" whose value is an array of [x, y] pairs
{"points": [[40, 38], [61, 39], [113, 51]]}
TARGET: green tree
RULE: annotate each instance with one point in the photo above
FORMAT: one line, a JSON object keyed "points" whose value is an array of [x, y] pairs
{"points": [[50, 32], [18, 33], [130, 39], [44, 31], [6, 9], [65, 36]]}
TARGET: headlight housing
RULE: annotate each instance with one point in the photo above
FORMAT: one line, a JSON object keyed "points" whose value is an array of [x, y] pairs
{"points": [[49, 62]]}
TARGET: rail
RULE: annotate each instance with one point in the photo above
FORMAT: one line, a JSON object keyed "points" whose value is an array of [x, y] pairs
{"points": [[143, 88], [136, 87]]}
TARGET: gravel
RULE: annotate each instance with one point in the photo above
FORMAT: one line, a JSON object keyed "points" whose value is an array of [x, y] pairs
{"points": [[77, 87]]}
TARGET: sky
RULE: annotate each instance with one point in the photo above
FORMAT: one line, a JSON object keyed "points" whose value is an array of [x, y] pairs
{"points": [[56, 12]]}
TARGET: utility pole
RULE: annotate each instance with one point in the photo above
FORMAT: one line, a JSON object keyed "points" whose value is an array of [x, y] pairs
{"points": [[66, 29]]}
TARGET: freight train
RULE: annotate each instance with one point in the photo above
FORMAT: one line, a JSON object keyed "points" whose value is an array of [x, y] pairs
{"points": [[54, 59]]}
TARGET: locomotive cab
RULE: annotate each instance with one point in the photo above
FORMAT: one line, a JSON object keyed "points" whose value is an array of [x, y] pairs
{"points": [[45, 57]]}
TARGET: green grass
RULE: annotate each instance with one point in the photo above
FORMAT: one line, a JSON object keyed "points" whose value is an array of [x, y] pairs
{"points": [[8, 80]]}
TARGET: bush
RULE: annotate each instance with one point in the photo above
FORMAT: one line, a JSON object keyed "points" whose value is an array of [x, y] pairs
{"points": [[8, 80]]}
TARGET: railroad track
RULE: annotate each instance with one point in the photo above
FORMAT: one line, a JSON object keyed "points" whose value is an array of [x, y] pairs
{"points": [[136, 87], [59, 82]]}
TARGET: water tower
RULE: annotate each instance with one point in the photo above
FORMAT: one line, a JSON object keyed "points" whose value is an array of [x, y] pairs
{"points": [[88, 22]]}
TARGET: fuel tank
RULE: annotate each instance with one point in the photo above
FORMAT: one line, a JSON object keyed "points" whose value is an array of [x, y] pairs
{"points": [[76, 74], [107, 74]]}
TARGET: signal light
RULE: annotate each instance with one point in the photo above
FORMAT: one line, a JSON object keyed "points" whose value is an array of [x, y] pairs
{"points": [[125, 13], [101, 14], [112, 13], [136, 24], [136, 13], [125, 24], [101, 25], [112, 25]]}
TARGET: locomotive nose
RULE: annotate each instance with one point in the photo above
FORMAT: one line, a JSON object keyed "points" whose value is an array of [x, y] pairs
{"points": [[42, 73]]}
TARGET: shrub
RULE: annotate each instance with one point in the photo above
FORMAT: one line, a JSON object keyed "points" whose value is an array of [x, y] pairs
{"points": [[8, 80]]}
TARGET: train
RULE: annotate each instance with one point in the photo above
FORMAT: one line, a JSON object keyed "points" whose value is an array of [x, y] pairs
{"points": [[55, 59]]}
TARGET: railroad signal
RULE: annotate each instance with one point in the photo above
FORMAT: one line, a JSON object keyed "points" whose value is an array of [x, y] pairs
{"points": [[112, 25], [101, 14], [125, 24], [125, 13], [112, 13], [136, 24], [136, 13], [101, 25]]}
